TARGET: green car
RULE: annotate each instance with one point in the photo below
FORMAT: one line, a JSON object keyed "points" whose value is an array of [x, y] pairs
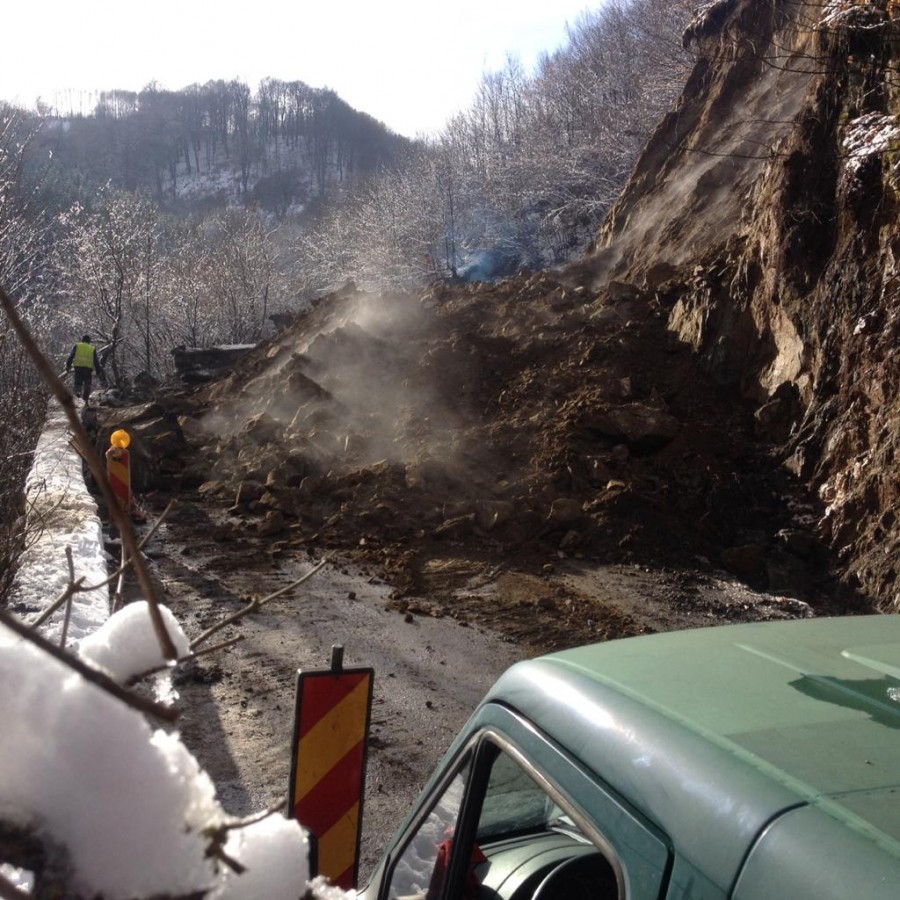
{"points": [[753, 762]]}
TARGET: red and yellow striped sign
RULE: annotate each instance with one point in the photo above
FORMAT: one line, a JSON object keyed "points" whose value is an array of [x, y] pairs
{"points": [[118, 470], [328, 768]]}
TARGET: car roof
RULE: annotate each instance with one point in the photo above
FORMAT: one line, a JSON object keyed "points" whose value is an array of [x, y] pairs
{"points": [[725, 729]]}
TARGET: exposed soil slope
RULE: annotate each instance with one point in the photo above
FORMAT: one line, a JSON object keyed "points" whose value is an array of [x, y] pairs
{"points": [[762, 216]]}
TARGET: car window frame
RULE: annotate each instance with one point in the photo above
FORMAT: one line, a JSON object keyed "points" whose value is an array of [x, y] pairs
{"points": [[486, 746], [504, 744], [640, 853]]}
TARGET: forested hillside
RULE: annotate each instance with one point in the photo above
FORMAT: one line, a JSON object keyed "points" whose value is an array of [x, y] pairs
{"points": [[183, 217], [221, 143]]}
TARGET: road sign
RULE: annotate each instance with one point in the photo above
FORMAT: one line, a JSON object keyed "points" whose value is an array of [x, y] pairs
{"points": [[328, 764], [118, 467]]}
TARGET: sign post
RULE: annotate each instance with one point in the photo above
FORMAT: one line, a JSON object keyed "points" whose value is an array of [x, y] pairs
{"points": [[328, 763], [118, 467]]}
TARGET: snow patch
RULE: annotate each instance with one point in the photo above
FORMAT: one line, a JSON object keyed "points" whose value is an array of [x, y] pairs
{"points": [[869, 135]]}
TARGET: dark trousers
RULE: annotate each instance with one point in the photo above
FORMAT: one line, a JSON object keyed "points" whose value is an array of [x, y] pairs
{"points": [[83, 382]]}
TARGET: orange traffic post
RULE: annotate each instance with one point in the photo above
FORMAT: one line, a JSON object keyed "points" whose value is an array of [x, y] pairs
{"points": [[118, 467], [328, 764]]}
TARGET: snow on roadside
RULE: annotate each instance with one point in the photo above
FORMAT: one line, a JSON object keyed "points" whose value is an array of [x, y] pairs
{"points": [[61, 513], [130, 804], [125, 646]]}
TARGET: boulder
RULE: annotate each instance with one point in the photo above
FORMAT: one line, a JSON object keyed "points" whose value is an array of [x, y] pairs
{"points": [[565, 511], [745, 561], [272, 524], [491, 514], [283, 477], [642, 428], [247, 493]]}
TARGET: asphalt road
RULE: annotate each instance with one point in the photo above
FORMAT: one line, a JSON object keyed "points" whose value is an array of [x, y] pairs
{"points": [[430, 673]]}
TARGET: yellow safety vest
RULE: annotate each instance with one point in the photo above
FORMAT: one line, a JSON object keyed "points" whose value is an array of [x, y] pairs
{"points": [[84, 356]]}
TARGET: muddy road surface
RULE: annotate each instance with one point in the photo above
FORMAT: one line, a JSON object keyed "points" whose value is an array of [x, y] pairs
{"points": [[237, 718]]}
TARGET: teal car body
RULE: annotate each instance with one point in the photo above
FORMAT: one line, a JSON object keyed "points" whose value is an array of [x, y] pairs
{"points": [[750, 762]]}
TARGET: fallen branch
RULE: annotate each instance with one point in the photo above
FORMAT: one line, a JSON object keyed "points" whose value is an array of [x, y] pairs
{"points": [[256, 604]]}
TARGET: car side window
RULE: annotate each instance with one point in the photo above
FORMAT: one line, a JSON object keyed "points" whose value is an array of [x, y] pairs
{"points": [[522, 841], [529, 845], [420, 870], [513, 802]]}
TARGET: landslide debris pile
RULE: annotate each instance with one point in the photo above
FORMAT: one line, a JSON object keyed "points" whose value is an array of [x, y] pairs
{"points": [[518, 422]]}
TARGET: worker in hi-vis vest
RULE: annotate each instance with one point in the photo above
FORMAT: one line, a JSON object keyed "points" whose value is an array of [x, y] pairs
{"points": [[85, 360]]}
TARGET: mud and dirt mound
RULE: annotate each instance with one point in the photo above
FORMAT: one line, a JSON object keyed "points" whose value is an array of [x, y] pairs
{"points": [[517, 426]]}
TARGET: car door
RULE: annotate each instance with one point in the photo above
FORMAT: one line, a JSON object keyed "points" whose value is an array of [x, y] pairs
{"points": [[515, 817]]}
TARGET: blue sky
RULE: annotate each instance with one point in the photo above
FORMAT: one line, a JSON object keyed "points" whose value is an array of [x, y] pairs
{"points": [[410, 63]]}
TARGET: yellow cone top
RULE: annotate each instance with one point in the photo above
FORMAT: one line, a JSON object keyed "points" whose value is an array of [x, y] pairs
{"points": [[120, 439]]}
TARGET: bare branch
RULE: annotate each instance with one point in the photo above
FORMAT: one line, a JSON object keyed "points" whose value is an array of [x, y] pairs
{"points": [[252, 606], [256, 817], [70, 589], [155, 526], [206, 651], [255, 604], [218, 835], [65, 629], [297, 583]]}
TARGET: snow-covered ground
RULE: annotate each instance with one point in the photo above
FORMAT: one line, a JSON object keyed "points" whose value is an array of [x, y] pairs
{"points": [[128, 802], [61, 514]]}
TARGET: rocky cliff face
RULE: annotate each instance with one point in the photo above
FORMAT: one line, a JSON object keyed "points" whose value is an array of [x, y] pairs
{"points": [[763, 217]]}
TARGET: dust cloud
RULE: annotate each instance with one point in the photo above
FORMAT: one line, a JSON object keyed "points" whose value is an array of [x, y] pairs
{"points": [[364, 386]]}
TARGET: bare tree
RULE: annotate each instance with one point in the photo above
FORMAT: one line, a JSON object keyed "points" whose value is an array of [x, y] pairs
{"points": [[107, 260], [23, 241], [237, 276], [526, 174]]}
